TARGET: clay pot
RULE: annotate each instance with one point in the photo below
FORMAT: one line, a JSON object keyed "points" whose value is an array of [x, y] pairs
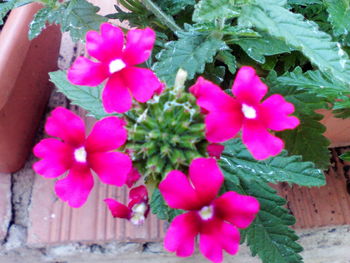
{"points": [[24, 86]]}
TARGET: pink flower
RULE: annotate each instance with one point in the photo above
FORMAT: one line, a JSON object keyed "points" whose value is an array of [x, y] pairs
{"points": [[226, 116], [137, 209], [133, 177], [214, 218], [74, 153], [215, 150], [116, 63]]}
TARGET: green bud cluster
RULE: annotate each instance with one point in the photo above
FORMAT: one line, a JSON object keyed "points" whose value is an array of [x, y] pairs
{"points": [[165, 133]]}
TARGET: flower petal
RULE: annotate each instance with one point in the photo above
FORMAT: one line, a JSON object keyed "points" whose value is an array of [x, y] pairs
{"points": [[247, 87], [215, 236], [116, 97], [259, 141], [239, 210], [178, 192], [76, 187], [87, 73], [139, 45], [207, 179], [111, 167], [118, 209], [215, 150], [180, 237], [107, 134], [142, 82], [211, 97], [57, 158], [133, 177], [108, 45], [67, 126], [274, 112], [139, 194]]}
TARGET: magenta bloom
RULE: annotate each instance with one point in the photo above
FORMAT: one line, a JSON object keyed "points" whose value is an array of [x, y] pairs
{"points": [[74, 153], [116, 63], [215, 150], [214, 218], [226, 115], [137, 209]]}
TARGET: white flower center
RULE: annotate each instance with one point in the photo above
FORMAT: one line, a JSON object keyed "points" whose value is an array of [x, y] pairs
{"points": [[206, 212], [80, 155], [248, 111], [138, 215], [116, 65]]}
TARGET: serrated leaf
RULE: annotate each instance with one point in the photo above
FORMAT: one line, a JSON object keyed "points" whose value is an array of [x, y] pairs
{"points": [[89, 98], [81, 16], [269, 236], [304, 2], [173, 7], [159, 207], [209, 10], [339, 16], [258, 48], [229, 59], [7, 6], [282, 168], [318, 83], [39, 22], [191, 52], [305, 36]]}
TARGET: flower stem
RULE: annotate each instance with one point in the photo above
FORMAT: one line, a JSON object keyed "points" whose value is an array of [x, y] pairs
{"points": [[164, 18]]}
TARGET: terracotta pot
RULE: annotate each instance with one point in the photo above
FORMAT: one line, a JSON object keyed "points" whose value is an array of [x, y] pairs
{"points": [[24, 86]]}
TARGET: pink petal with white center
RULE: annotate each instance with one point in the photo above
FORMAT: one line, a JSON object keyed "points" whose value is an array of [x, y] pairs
{"points": [[212, 98], [180, 237], [216, 236], [87, 73], [206, 178], [259, 141], [139, 194], [222, 126], [57, 158], [133, 177], [118, 209], [274, 112], [142, 82], [111, 167], [76, 187], [107, 134], [178, 192], [215, 150], [247, 87], [116, 96], [66, 125], [239, 210], [105, 46], [139, 45]]}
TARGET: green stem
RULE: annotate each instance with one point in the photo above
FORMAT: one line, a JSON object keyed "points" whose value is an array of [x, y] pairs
{"points": [[164, 18]]}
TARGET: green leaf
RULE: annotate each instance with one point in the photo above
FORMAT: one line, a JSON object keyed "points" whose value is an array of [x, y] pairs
{"points": [[316, 82], [89, 98], [79, 17], [304, 2], [209, 10], [229, 59], [339, 16], [238, 161], [269, 236], [345, 156], [269, 16], [191, 52], [173, 7], [39, 22], [258, 48], [160, 209]]}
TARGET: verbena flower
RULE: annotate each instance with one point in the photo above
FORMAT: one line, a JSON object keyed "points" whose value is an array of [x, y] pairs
{"points": [[214, 218], [116, 63], [226, 116], [137, 209], [215, 150], [133, 177], [74, 153]]}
